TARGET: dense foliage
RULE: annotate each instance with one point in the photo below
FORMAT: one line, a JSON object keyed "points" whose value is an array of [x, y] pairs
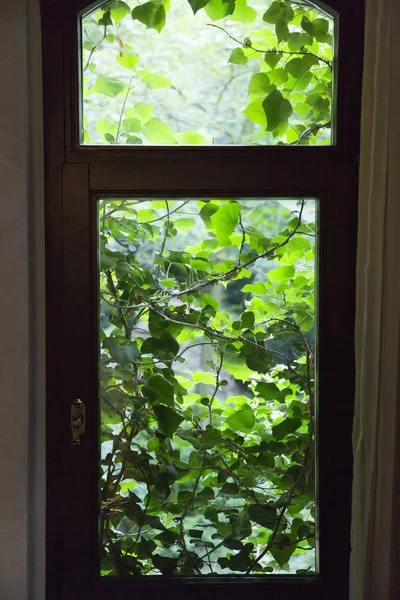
{"points": [[207, 72], [207, 386]]}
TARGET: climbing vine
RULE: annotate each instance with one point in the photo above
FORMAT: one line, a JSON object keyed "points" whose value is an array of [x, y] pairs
{"points": [[207, 386]]}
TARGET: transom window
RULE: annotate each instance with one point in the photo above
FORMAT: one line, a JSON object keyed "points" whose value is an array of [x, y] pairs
{"points": [[207, 72]]}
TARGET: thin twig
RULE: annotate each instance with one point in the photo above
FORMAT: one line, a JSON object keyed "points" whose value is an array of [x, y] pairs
{"points": [[123, 108], [217, 383], [272, 50], [224, 277]]}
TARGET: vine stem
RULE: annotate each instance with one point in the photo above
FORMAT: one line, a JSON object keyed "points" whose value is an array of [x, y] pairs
{"points": [[164, 240], [272, 50], [113, 290], [279, 520], [224, 277], [217, 384], [213, 332], [123, 108], [187, 506]]}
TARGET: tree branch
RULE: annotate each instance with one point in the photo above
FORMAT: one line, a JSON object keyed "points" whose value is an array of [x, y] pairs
{"points": [[224, 277], [272, 50], [113, 291], [217, 384]]}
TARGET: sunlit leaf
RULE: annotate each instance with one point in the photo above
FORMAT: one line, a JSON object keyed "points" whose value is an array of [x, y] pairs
{"points": [[189, 137], [109, 86], [259, 83], [225, 219], [126, 58], [151, 14], [242, 420], [277, 109], [157, 131], [238, 57], [153, 81], [279, 11]]}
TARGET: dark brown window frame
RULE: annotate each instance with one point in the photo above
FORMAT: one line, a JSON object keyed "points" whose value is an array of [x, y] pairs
{"points": [[75, 177]]}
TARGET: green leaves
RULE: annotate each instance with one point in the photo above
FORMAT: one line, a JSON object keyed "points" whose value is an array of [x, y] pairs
{"points": [[132, 125], [189, 137], [151, 14], [317, 28], [307, 25], [270, 391], [256, 113], [218, 9], [242, 420], [258, 360], [263, 515], [282, 31], [109, 86], [206, 412], [127, 58], [141, 110], [259, 83], [184, 224], [248, 320], [159, 389], [225, 219], [279, 12], [165, 346], [159, 132], [168, 419], [243, 13], [118, 10], [272, 58], [238, 57], [122, 352], [196, 5], [282, 428], [277, 109], [154, 82], [281, 275], [255, 288], [295, 67]]}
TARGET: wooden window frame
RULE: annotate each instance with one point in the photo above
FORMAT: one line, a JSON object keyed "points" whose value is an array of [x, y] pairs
{"points": [[75, 176]]}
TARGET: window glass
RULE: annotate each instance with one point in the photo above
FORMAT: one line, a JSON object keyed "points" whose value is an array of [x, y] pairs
{"points": [[241, 72], [206, 386]]}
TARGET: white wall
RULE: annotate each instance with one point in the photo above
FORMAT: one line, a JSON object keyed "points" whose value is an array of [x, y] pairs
{"points": [[21, 306]]}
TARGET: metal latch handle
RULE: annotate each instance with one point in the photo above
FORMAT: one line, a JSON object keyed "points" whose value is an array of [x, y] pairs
{"points": [[78, 418]]}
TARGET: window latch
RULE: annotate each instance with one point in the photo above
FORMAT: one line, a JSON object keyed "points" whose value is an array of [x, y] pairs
{"points": [[78, 415]]}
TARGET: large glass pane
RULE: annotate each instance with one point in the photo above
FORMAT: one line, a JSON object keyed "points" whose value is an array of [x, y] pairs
{"points": [[243, 72], [206, 386]]}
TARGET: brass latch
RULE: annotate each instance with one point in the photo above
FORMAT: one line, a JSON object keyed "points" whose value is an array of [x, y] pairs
{"points": [[78, 414]]}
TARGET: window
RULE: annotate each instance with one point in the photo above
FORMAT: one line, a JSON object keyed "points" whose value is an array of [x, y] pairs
{"points": [[191, 262], [208, 73], [207, 386]]}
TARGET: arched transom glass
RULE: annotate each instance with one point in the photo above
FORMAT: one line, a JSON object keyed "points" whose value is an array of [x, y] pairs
{"points": [[236, 72]]}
